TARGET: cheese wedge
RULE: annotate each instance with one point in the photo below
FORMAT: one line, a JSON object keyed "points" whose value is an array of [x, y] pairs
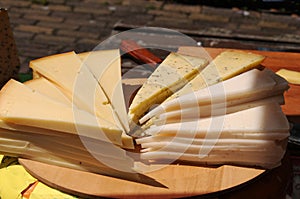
{"points": [[292, 77], [81, 84], [22, 105], [105, 65], [45, 87], [171, 75], [226, 65]]}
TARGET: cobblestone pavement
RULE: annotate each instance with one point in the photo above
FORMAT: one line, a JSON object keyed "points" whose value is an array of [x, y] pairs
{"points": [[80, 25]]}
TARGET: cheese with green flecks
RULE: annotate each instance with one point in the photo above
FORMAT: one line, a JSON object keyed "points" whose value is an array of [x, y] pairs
{"points": [[170, 76], [226, 65]]}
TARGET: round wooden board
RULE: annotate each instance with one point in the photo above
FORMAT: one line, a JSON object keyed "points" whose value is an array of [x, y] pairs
{"points": [[171, 181]]}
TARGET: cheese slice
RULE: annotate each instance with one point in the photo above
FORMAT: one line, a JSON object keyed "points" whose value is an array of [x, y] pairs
{"points": [[105, 65], [24, 106], [260, 119], [171, 75], [292, 77], [45, 87], [226, 65], [252, 85]]}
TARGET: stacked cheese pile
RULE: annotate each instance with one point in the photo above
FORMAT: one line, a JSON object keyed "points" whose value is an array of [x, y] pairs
{"points": [[73, 112], [64, 117], [237, 121]]}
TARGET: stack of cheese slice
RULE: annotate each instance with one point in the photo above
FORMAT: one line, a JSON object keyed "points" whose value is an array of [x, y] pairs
{"points": [[238, 121]]}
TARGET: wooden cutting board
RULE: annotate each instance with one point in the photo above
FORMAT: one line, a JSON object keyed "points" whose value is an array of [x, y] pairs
{"points": [[173, 180]]}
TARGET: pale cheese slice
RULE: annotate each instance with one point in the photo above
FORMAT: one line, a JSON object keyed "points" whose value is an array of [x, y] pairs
{"points": [[291, 76], [21, 105], [226, 65], [105, 65], [249, 86], [171, 75], [45, 87]]}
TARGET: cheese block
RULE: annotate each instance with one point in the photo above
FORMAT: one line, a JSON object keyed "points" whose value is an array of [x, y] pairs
{"points": [[105, 65], [292, 77], [252, 85], [45, 87], [171, 75], [22, 105], [226, 65]]}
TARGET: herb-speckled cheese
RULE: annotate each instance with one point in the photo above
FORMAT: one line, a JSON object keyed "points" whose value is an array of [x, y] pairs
{"points": [[226, 65], [170, 76]]}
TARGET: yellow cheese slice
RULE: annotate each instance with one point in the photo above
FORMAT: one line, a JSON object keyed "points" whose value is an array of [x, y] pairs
{"points": [[226, 65], [21, 105], [105, 65], [69, 72], [292, 77], [45, 87], [171, 75]]}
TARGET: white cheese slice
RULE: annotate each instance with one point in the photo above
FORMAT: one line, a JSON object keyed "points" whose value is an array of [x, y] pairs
{"points": [[105, 65], [193, 113], [21, 105], [171, 75], [45, 87], [260, 119], [226, 65], [249, 86]]}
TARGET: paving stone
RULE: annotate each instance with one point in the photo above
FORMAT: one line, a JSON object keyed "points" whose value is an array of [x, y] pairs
{"points": [[73, 15], [15, 3], [173, 15], [44, 18], [182, 8], [205, 17], [64, 8], [77, 34], [34, 29], [31, 11], [54, 39], [54, 25], [90, 10]]}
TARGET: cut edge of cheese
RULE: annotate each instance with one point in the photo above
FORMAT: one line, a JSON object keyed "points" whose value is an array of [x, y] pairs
{"points": [[105, 65], [171, 75]]}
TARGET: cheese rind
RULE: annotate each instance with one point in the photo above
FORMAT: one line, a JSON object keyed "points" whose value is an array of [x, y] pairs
{"points": [[226, 65], [171, 75]]}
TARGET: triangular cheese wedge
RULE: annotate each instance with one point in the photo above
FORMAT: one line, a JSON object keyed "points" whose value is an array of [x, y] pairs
{"points": [[69, 72], [226, 65], [105, 65], [21, 105], [45, 87], [171, 75]]}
